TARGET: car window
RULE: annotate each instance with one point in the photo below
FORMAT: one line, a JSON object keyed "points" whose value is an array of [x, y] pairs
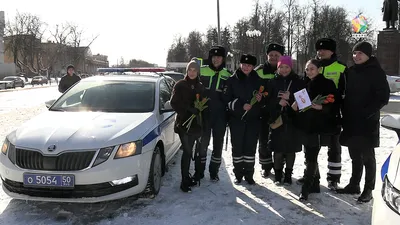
{"points": [[165, 92], [176, 76], [108, 96]]}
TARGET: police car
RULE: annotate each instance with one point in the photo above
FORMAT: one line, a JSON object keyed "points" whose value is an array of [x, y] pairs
{"points": [[386, 209], [107, 137]]}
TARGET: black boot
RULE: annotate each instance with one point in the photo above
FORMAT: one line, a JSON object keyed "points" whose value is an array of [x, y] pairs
{"points": [[288, 177], [333, 185], [238, 179], [266, 170], [349, 189], [315, 188], [365, 196], [198, 176], [250, 180], [185, 185], [278, 176], [304, 193], [191, 181]]}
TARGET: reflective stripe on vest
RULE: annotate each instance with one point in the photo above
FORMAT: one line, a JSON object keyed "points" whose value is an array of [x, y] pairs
{"points": [[261, 74], [206, 71], [333, 71]]}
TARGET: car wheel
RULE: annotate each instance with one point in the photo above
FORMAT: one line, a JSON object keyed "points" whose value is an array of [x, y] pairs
{"points": [[155, 174], [23, 85]]}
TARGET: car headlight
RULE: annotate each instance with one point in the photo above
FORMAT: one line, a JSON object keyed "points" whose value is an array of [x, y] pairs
{"points": [[391, 195], [129, 149], [103, 155], [6, 145]]}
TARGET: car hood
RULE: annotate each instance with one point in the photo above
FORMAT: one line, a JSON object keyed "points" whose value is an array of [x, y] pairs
{"points": [[81, 130]]}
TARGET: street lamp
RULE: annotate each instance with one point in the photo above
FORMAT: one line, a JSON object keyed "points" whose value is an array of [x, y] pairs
{"points": [[254, 34]]}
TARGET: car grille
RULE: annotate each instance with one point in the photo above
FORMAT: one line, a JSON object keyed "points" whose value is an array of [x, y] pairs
{"points": [[69, 161]]}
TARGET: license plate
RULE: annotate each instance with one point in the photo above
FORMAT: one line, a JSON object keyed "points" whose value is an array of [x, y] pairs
{"points": [[47, 180]]}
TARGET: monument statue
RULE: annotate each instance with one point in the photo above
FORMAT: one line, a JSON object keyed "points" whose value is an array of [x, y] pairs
{"points": [[390, 13]]}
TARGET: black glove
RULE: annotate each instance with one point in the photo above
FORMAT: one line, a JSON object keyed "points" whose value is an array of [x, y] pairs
{"points": [[194, 110]]}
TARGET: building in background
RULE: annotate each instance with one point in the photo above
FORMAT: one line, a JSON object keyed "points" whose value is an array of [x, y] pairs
{"points": [[6, 69]]}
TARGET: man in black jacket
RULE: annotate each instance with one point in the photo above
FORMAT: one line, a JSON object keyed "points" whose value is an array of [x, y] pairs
{"points": [[68, 80], [366, 93]]}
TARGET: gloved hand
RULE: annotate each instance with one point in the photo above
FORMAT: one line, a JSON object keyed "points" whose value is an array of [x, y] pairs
{"points": [[194, 110]]}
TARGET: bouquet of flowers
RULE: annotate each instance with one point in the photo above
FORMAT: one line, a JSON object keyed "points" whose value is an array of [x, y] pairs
{"points": [[200, 105], [319, 100], [254, 98]]}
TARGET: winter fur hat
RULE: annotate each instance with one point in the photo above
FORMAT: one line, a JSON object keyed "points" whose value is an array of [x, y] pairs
{"points": [[217, 51], [326, 44], [287, 60], [248, 59], [364, 47], [276, 47]]}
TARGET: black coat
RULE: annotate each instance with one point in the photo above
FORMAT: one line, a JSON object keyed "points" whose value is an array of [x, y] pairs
{"points": [[366, 93], [238, 91], [319, 121], [182, 101], [286, 138], [67, 81]]}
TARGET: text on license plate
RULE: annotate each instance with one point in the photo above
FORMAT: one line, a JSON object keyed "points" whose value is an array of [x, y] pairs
{"points": [[46, 180]]}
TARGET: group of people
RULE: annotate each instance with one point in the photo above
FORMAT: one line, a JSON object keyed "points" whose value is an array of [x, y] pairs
{"points": [[259, 106]]}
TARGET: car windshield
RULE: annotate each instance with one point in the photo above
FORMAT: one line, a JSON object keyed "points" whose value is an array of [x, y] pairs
{"points": [[108, 96], [37, 77], [9, 78]]}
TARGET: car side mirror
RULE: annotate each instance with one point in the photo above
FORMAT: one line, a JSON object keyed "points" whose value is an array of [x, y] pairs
{"points": [[167, 107], [49, 103], [391, 122]]}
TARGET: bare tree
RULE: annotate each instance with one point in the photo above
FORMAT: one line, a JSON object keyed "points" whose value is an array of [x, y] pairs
{"points": [[24, 37], [291, 6]]}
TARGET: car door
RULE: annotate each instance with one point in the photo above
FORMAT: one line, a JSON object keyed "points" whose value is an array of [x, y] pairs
{"points": [[167, 118], [171, 83]]}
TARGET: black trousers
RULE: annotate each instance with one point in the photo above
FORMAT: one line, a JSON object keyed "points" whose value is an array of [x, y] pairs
{"points": [[284, 159], [264, 154], [244, 137], [311, 173], [216, 126], [334, 156], [363, 157], [188, 142]]}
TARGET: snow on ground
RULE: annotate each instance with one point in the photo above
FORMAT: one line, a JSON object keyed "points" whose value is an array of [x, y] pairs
{"points": [[220, 203]]}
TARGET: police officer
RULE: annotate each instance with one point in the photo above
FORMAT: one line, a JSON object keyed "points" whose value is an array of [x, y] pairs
{"points": [[239, 91], [213, 77], [266, 72], [336, 71]]}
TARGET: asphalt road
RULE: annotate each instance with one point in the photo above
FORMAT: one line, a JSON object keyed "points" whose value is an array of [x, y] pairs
{"points": [[26, 98]]}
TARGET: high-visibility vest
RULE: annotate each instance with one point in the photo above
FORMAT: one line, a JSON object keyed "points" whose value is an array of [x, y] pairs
{"points": [[333, 71], [261, 74], [206, 73]]}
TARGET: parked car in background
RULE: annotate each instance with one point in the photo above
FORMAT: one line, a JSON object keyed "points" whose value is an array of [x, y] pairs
{"points": [[394, 83], [386, 208], [39, 80], [11, 82]]}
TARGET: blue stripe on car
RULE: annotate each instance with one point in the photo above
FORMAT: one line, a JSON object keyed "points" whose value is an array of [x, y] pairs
{"points": [[385, 167], [157, 131]]}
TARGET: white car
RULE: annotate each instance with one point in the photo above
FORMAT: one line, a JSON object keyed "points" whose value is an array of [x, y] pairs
{"points": [[394, 83], [386, 208], [108, 137]]}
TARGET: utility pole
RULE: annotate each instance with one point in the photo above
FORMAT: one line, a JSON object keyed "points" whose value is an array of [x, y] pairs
{"points": [[219, 26]]}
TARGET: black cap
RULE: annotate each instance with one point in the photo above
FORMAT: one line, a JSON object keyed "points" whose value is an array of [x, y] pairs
{"points": [[248, 59], [326, 44], [276, 47], [217, 51], [70, 66], [364, 47]]}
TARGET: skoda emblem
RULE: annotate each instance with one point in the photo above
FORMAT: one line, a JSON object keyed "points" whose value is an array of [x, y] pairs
{"points": [[274, 46], [51, 148], [216, 51], [321, 43]]}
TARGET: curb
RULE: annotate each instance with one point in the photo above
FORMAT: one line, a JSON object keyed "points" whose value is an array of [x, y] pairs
{"points": [[25, 88]]}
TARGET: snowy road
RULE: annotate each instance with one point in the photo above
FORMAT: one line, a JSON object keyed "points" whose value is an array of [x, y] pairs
{"points": [[221, 203]]}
